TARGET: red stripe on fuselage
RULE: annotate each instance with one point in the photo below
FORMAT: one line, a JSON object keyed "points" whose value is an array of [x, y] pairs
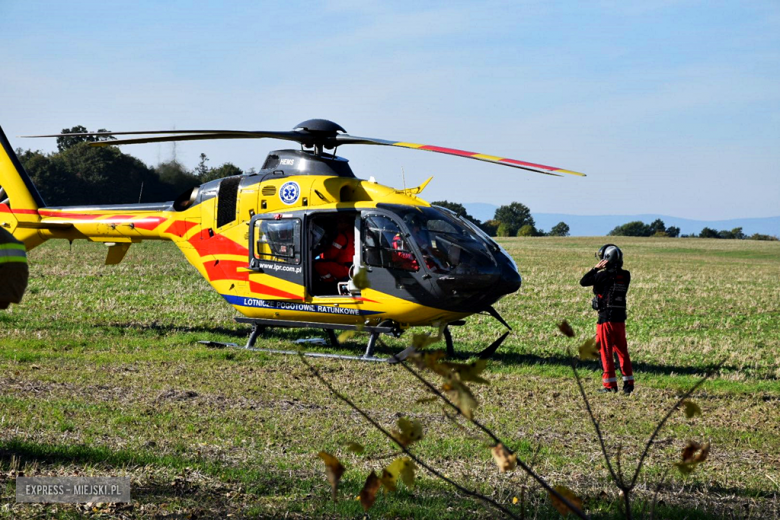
{"points": [[6, 209], [225, 270], [180, 227], [217, 245], [63, 214], [148, 223]]}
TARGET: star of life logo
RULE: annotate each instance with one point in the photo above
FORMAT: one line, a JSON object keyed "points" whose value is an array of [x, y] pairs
{"points": [[289, 192]]}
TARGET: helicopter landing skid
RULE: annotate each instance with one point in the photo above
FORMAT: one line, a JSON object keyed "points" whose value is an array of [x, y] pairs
{"points": [[259, 326]]}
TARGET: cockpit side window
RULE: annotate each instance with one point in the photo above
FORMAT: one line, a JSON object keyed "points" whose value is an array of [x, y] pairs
{"points": [[385, 245], [276, 241]]}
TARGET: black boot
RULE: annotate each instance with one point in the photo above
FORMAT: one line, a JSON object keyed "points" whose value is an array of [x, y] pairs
{"points": [[627, 389]]}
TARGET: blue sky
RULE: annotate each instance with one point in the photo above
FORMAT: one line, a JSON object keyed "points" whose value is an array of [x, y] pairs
{"points": [[669, 107]]}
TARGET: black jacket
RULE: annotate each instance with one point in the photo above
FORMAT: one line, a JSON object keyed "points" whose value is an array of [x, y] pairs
{"points": [[610, 287]]}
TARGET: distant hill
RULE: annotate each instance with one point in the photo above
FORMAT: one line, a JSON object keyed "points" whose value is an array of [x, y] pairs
{"points": [[600, 225]]}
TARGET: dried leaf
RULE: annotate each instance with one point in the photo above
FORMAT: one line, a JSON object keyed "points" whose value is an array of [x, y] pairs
{"points": [[420, 341], [569, 495], [689, 450], [566, 329], [408, 432], [430, 361], [692, 455], [354, 447], [402, 467], [691, 409], [462, 396], [505, 459], [426, 400], [468, 372], [347, 334], [515, 500], [388, 481], [367, 495], [333, 470], [589, 350], [361, 279]]}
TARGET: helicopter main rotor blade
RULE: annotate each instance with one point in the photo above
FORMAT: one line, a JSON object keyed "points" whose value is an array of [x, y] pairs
{"points": [[201, 137], [514, 163], [176, 135]]}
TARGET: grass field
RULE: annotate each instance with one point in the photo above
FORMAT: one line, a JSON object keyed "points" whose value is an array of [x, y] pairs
{"points": [[101, 374]]}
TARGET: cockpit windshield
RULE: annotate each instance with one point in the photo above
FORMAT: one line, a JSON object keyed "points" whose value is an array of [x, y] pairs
{"points": [[446, 244]]}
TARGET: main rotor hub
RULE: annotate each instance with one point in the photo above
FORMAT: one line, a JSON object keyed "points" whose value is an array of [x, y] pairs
{"points": [[320, 126], [321, 134]]}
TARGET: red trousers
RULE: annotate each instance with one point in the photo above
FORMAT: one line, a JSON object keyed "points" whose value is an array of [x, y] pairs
{"points": [[612, 338], [331, 271]]}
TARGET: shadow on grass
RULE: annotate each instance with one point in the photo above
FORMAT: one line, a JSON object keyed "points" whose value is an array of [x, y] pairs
{"points": [[207, 497], [512, 358]]}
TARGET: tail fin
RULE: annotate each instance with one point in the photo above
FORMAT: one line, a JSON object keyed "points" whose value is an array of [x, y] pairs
{"points": [[19, 199]]}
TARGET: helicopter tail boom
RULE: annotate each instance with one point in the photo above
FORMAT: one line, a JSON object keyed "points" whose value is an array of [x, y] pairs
{"points": [[19, 199]]}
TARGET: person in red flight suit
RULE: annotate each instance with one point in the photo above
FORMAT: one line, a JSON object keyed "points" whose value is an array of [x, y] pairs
{"points": [[335, 261], [610, 285], [402, 257]]}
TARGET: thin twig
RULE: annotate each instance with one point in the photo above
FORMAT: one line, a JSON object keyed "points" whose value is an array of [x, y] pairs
{"points": [[655, 495], [621, 483], [385, 456], [495, 439], [593, 420], [669, 414], [452, 405], [403, 448]]}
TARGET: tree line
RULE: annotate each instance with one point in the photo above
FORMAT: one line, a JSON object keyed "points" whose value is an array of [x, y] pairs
{"points": [[79, 174], [508, 221], [657, 228]]}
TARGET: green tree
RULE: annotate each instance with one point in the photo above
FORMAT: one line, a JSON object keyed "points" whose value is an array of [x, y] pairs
{"points": [[708, 233], [657, 226], [673, 231], [202, 170], [738, 234], [561, 229], [514, 216], [57, 186], [503, 230], [527, 231], [490, 227], [635, 228], [176, 176], [66, 142], [226, 170], [759, 236], [458, 209]]}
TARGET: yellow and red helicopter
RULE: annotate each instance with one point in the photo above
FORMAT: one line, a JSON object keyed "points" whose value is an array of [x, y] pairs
{"points": [[256, 238]]}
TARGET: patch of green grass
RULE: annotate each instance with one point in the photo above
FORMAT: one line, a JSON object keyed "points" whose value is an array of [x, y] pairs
{"points": [[102, 374]]}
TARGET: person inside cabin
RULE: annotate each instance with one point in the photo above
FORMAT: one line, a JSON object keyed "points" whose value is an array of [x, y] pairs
{"points": [[333, 264]]}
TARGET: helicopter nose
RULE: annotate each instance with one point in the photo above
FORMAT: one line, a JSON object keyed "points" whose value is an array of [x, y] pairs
{"points": [[509, 282]]}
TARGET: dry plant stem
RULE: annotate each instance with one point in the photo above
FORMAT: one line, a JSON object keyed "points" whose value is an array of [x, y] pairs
{"points": [[655, 495], [669, 414], [403, 448], [495, 439], [594, 422]]}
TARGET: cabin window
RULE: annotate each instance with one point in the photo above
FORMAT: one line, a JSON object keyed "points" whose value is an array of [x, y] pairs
{"points": [[385, 245], [276, 241]]}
